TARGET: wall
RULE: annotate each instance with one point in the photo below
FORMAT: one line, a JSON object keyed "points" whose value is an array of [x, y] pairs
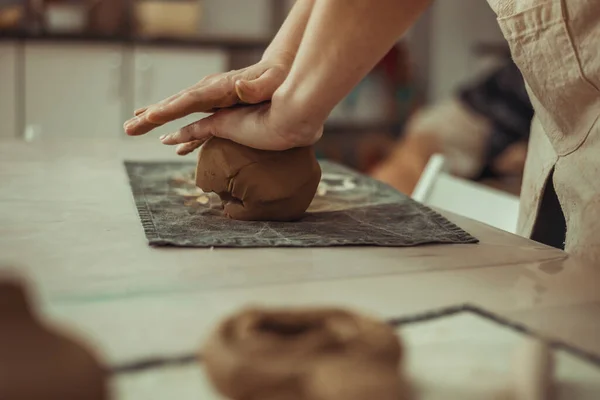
{"points": [[8, 90], [455, 27]]}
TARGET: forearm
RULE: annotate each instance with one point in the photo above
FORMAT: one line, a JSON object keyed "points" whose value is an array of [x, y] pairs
{"points": [[288, 38], [343, 41]]}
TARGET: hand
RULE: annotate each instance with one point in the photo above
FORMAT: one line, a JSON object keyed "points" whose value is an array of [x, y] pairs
{"points": [[276, 125], [251, 85]]}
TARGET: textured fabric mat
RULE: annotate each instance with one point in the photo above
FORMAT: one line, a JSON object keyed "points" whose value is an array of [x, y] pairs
{"points": [[349, 209]]}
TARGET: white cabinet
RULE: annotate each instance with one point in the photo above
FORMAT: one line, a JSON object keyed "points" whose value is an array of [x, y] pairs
{"points": [[160, 73], [73, 90], [237, 19], [8, 90], [89, 91]]}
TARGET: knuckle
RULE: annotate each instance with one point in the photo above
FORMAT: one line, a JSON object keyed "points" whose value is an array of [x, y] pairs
{"points": [[188, 96], [225, 81], [213, 126], [209, 78], [224, 92], [188, 132], [197, 131], [152, 115], [251, 73], [212, 130]]}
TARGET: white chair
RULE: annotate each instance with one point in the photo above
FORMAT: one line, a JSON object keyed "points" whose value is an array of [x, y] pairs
{"points": [[438, 189]]}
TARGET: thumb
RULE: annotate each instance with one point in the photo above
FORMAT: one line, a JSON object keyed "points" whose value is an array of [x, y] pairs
{"points": [[260, 89]]}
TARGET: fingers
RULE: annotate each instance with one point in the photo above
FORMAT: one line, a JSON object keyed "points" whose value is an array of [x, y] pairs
{"points": [[251, 126], [260, 89], [199, 131], [223, 124], [217, 93], [210, 94], [244, 125], [184, 105], [193, 101], [140, 111], [139, 124], [187, 148]]}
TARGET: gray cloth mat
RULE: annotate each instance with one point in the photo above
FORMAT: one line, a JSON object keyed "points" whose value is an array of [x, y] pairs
{"points": [[349, 209]]}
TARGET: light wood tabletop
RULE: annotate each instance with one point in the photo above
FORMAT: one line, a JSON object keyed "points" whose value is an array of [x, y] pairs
{"points": [[69, 224]]}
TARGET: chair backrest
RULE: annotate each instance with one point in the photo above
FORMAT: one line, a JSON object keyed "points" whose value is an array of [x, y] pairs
{"points": [[437, 188]]}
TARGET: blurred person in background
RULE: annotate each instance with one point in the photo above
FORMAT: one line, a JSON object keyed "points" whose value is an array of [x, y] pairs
{"points": [[326, 47], [482, 132]]}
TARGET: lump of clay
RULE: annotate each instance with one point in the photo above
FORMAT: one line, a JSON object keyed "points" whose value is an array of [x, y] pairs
{"points": [[258, 185], [325, 354], [37, 363]]}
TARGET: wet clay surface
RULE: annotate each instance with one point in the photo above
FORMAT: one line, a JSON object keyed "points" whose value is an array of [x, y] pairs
{"points": [[304, 354], [258, 185]]}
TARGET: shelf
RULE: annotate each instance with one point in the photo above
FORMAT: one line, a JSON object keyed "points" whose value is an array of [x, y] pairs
{"points": [[199, 42]]}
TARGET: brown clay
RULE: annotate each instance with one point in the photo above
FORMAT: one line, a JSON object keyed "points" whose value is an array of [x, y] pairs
{"points": [[37, 363], [258, 185], [325, 354]]}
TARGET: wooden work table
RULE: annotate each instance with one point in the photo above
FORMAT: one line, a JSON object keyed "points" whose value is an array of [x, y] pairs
{"points": [[69, 223]]}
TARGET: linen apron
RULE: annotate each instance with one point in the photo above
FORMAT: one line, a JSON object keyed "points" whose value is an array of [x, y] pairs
{"points": [[556, 45]]}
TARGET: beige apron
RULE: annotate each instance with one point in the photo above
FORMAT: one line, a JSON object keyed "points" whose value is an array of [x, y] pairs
{"points": [[556, 44]]}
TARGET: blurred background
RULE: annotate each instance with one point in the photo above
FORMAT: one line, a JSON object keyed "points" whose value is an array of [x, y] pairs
{"points": [[78, 68]]}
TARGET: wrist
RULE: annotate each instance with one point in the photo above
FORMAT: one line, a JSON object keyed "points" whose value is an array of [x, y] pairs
{"points": [[296, 120], [279, 57], [301, 103]]}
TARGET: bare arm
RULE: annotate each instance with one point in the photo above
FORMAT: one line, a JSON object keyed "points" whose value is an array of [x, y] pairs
{"points": [[288, 38], [344, 40], [281, 51]]}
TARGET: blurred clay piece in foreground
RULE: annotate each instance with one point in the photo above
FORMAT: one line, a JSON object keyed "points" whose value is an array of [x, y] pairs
{"points": [[304, 354], [37, 362]]}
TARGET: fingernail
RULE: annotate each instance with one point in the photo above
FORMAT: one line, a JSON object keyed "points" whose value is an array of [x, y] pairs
{"points": [[163, 137]]}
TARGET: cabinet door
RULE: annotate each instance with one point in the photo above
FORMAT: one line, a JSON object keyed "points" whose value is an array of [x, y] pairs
{"points": [[73, 90], [8, 90], [160, 73], [251, 19]]}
